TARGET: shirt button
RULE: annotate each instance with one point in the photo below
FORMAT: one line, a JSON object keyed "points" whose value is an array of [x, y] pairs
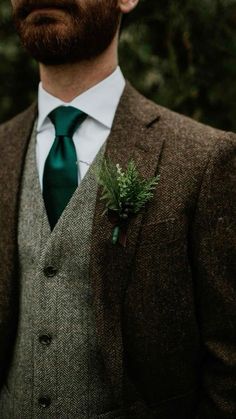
{"points": [[50, 271], [44, 401], [45, 340]]}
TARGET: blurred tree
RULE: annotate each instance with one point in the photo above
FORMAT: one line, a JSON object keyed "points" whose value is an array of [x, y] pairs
{"points": [[18, 72], [179, 53]]}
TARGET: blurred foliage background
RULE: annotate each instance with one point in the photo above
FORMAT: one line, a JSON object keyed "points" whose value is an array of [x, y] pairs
{"points": [[179, 53]]}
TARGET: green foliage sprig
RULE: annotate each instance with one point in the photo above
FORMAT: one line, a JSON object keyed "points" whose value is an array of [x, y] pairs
{"points": [[125, 193]]}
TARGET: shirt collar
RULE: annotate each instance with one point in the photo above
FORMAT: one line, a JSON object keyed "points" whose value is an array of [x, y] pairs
{"points": [[99, 102]]}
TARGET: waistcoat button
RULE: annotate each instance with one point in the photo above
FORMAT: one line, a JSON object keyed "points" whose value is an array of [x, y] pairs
{"points": [[45, 339], [50, 271], [44, 401]]}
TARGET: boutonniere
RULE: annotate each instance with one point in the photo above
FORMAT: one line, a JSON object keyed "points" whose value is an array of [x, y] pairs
{"points": [[125, 193]]}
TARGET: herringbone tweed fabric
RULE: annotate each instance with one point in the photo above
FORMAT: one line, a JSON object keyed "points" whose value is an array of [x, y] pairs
{"points": [[70, 369], [165, 304]]}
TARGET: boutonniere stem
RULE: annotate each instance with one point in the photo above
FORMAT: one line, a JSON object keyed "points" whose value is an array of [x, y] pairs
{"points": [[125, 193]]}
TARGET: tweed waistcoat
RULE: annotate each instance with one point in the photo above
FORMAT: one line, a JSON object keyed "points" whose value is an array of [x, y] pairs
{"points": [[56, 357]]}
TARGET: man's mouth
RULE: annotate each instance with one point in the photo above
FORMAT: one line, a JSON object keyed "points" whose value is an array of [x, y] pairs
{"points": [[25, 11]]}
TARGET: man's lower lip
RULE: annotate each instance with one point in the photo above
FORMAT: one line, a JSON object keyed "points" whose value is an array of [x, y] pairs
{"points": [[46, 10]]}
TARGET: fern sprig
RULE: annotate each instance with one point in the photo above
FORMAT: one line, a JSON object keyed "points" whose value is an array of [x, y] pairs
{"points": [[125, 187]]}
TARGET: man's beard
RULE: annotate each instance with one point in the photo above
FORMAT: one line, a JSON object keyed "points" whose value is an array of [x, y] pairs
{"points": [[80, 30]]}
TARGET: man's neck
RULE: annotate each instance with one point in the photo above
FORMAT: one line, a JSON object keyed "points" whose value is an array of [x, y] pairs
{"points": [[69, 81]]}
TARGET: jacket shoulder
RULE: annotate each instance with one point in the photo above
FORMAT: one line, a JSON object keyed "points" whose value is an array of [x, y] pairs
{"points": [[191, 151], [191, 132], [176, 127], [19, 121]]}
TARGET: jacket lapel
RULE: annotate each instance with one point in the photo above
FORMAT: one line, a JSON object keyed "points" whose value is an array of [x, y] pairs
{"points": [[14, 137], [111, 266]]}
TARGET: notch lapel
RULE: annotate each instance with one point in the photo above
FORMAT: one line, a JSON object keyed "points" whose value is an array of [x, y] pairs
{"points": [[14, 137], [131, 137]]}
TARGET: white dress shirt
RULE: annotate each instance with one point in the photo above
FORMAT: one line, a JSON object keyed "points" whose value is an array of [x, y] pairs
{"points": [[99, 103]]}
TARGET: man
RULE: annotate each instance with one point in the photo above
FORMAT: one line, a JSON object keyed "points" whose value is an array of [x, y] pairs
{"points": [[89, 329]]}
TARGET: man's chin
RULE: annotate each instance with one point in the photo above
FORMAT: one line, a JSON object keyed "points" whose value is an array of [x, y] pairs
{"points": [[51, 61], [51, 53]]}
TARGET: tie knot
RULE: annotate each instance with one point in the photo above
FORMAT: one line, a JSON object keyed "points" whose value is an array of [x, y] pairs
{"points": [[66, 120]]}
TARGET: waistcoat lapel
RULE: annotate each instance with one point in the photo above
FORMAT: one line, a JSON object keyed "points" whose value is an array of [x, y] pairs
{"points": [[111, 266], [14, 137]]}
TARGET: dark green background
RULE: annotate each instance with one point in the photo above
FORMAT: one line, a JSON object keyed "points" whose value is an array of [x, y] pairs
{"points": [[181, 54]]}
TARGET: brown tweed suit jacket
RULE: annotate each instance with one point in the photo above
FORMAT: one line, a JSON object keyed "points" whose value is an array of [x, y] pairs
{"points": [[165, 305]]}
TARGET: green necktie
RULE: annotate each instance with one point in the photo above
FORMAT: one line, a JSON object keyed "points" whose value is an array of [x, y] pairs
{"points": [[60, 178]]}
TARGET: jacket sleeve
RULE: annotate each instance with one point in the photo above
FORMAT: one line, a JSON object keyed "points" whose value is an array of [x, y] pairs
{"points": [[214, 251]]}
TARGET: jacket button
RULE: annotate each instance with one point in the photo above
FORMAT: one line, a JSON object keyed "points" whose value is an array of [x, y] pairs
{"points": [[45, 340], [50, 271], [44, 401]]}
